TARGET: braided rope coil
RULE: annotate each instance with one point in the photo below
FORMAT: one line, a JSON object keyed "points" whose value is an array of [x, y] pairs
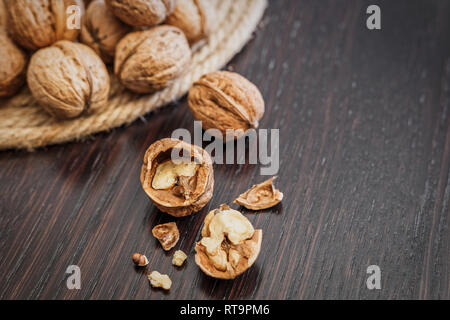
{"points": [[24, 125]]}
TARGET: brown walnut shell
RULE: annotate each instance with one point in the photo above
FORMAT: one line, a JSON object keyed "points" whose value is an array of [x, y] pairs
{"points": [[40, 23], [167, 234], [142, 13], [225, 100], [2, 14], [67, 79], [101, 30], [196, 18], [13, 62], [245, 253], [260, 196], [150, 60], [178, 201]]}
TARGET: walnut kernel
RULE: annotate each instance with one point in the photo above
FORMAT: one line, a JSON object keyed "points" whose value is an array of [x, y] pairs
{"points": [[178, 258], [229, 244], [159, 280], [225, 100], [167, 234], [260, 196], [139, 259]]}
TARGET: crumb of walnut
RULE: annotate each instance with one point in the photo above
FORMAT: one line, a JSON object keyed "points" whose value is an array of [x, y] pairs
{"points": [[178, 258], [159, 280]]}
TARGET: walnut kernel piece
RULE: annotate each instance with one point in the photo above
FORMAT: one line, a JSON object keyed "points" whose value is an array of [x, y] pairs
{"points": [[178, 258], [13, 63], [101, 30], [139, 259], [40, 23], [151, 60], [196, 18], [225, 100], [260, 196], [68, 79], [141, 13], [191, 192], [229, 246], [159, 280], [167, 234]]}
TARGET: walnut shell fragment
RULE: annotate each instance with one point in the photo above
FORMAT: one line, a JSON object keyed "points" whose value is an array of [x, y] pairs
{"points": [[167, 234], [225, 100], [40, 23], [229, 244], [142, 13], [196, 18], [13, 63], [67, 79], [260, 196], [101, 30], [172, 192], [151, 60]]}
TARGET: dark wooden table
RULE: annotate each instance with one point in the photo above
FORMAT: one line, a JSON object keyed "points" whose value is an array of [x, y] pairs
{"points": [[364, 149]]}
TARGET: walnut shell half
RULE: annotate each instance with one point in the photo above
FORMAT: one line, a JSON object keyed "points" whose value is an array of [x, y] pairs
{"points": [[142, 13], [67, 79], [13, 64], [196, 18], [40, 23], [183, 195], [225, 100], [101, 30], [150, 60], [260, 196], [229, 244]]}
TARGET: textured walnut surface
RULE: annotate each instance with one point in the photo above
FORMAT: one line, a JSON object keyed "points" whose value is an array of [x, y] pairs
{"points": [[167, 234], [67, 79], [150, 60], [260, 196], [225, 100], [13, 63], [40, 23]]}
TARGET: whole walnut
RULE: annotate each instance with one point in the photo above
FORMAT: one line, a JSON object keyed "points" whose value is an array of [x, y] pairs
{"points": [[101, 30], [40, 23], [150, 60], [227, 102], [13, 64], [196, 18], [67, 79], [142, 13]]}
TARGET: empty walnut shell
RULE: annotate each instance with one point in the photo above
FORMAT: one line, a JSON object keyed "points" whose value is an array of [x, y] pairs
{"points": [[142, 13], [67, 79], [167, 234], [184, 197], [229, 244], [101, 30], [226, 101], [260, 196], [13, 64], [40, 23], [150, 60], [196, 18]]}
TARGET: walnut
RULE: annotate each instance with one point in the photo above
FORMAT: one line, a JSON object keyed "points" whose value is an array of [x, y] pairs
{"points": [[260, 196], [40, 23], [196, 18], [167, 234], [150, 60], [67, 79], [225, 100], [178, 258], [229, 244], [142, 13], [2, 14], [139, 259], [13, 64], [183, 190], [159, 280], [101, 30]]}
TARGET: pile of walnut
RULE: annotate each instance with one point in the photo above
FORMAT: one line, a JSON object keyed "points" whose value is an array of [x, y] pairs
{"points": [[149, 43]]}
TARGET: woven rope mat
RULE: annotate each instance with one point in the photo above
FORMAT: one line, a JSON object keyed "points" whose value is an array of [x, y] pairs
{"points": [[24, 125]]}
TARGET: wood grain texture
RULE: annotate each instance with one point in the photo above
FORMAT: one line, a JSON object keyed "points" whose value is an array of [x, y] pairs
{"points": [[365, 156]]}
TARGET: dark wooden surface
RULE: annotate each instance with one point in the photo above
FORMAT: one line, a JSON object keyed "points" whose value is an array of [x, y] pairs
{"points": [[364, 146]]}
